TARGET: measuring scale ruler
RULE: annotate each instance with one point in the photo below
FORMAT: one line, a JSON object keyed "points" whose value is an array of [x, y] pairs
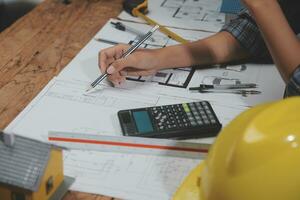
{"points": [[133, 145]]}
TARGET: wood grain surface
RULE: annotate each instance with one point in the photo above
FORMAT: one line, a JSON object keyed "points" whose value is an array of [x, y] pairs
{"points": [[39, 45]]}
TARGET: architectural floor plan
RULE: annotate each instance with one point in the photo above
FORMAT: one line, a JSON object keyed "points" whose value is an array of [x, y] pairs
{"points": [[194, 10]]}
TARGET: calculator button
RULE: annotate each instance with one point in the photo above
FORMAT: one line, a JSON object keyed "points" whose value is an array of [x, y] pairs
{"points": [[194, 111], [192, 106], [191, 118], [211, 117], [200, 122], [170, 126], [201, 110], [196, 114], [186, 107], [186, 125], [198, 104], [206, 121], [204, 103], [189, 115], [193, 123]]}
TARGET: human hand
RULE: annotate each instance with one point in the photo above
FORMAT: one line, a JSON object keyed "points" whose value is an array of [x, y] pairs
{"points": [[140, 63]]}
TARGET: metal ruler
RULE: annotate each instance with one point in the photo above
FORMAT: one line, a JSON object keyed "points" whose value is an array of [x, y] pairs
{"points": [[134, 145]]}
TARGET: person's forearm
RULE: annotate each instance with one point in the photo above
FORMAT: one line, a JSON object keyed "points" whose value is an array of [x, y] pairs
{"points": [[278, 35], [219, 48]]}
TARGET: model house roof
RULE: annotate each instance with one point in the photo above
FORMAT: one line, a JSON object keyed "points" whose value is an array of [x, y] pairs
{"points": [[22, 161]]}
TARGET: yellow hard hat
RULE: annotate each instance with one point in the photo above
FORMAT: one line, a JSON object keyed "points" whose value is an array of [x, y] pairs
{"points": [[256, 157]]}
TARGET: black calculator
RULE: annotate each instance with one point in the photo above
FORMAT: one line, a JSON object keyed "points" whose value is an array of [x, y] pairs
{"points": [[178, 121]]}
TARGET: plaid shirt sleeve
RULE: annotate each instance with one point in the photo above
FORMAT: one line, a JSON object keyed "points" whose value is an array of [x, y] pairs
{"points": [[246, 32], [293, 86]]}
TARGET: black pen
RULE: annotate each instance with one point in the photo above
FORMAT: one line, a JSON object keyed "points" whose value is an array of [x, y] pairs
{"points": [[241, 92], [107, 41], [224, 87], [122, 27]]}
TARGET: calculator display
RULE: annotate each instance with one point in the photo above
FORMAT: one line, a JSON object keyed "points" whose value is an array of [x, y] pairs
{"points": [[142, 121]]}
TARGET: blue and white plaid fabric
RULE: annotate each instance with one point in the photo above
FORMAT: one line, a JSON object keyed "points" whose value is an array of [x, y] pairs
{"points": [[293, 86], [246, 32]]}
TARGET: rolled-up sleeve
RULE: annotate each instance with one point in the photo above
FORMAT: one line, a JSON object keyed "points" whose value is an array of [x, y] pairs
{"points": [[293, 86], [246, 32]]}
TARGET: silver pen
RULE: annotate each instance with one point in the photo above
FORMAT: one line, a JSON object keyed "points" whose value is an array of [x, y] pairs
{"points": [[127, 53], [241, 92], [223, 87]]}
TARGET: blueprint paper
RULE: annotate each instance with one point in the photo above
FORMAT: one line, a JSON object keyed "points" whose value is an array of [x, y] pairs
{"points": [[85, 67], [160, 38], [187, 14], [128, 176], [112, 174], [63, 106]]}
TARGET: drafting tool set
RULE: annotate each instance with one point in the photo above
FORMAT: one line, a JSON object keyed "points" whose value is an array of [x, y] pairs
{"points": [[227, 88]]}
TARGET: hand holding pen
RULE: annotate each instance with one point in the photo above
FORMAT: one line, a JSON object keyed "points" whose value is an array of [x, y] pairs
{"points": [[109, 61]]}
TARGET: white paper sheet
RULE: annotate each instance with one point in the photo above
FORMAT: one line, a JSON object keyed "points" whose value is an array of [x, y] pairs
{"points": [[85, 67], [186, 14], [158, 38], [61, 106], [127, 176]]}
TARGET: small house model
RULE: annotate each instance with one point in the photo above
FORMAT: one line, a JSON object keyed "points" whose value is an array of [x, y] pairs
{"points": [[30, 170]]}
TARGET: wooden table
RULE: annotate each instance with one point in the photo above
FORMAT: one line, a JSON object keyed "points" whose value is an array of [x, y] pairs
{"points": [[39, 45]]}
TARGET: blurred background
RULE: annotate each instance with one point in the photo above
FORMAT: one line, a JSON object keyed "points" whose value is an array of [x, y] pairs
{"points": [[11, 10]]}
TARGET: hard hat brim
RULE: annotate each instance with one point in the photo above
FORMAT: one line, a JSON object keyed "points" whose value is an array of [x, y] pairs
{"points": [[190, 188]]}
